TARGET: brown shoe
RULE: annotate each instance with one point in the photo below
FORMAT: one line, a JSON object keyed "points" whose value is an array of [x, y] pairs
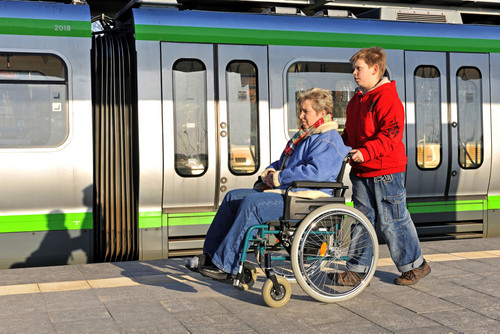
{"points": [[413, 276], [349, 278]]}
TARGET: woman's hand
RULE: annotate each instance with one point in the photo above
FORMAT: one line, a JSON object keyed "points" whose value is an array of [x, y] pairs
{"points": [[269, 180], [357, 156]]}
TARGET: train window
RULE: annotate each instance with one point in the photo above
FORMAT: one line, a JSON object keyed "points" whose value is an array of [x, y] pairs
{"points": [[190, 117], [470, 115], [336, 77], [242, 116], [33, 101], [427, 83]]}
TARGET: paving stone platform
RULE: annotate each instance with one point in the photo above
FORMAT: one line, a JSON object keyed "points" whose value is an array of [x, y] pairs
{"points": [[461, 295]]}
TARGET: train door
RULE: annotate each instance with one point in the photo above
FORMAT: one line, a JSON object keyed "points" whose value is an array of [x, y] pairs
{"points": [[243, 115], [216, 132], [448, 139], [427, 124], [189, 126], [470, 116], [447, 109]]}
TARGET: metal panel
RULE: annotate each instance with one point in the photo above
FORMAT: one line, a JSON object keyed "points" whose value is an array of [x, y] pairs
{"points": [[197, 190], [151, 243], [470, 181], [38, 182], [45, 248], [258, 56], [432, 181]]}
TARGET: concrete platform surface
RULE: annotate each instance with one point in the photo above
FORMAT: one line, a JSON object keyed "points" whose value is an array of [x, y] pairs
{"points": [[461, 295]]}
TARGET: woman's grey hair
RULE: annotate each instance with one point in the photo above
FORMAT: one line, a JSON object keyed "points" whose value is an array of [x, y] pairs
{"points": [[321, 99]]}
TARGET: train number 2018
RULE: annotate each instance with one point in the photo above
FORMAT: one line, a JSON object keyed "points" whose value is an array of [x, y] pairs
{"points": [[61, 27]]}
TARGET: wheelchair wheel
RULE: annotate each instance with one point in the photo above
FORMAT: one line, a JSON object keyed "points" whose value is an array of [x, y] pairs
{"points": [[326, 240], [274, 298], [249, 277]]}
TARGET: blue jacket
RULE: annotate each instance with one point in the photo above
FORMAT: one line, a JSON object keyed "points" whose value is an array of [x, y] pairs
{"points": [[317, 158]]}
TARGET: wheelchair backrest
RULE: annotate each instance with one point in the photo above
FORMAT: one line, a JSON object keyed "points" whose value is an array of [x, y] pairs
{"points": [[297, 208], [340, 177]]}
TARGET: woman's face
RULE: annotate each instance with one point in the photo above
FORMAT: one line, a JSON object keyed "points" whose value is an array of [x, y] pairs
{"points": [[308, 115]]}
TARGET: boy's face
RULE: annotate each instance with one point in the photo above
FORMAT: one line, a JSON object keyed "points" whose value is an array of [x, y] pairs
{"points": [[366, 77]]}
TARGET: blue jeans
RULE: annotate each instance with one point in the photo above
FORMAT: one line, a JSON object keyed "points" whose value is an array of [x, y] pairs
{"points": [[240, 209], [382, 200]]}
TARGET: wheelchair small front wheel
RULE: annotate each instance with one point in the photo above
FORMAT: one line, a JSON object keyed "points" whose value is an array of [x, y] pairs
{"points": [[274, 298], [248, 278]]}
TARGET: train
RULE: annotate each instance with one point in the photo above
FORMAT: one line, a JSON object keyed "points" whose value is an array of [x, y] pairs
{"points": [[119, 143]]}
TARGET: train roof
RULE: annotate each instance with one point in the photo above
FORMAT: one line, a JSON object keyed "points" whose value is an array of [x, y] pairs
{"points": [[44, 19], [470, 12], [171, 24]]}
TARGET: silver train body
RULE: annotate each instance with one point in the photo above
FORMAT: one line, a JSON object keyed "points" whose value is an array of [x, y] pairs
{"points": [[121, 145]]}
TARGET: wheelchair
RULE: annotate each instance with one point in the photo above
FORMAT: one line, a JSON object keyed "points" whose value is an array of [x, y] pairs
{"points": [[311, 244]]}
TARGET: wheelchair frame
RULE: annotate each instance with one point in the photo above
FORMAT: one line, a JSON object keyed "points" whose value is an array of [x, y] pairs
{"points": [[326, 227]]}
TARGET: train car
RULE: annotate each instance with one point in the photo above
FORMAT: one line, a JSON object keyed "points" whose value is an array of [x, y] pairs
{"points": [[45, 134], [121, 146]]}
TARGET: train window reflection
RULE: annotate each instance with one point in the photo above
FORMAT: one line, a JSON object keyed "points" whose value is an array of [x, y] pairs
{"points": [[242, 115], [336, 77], [427, 83], [470, 116], [190, 117], [33, 101]]}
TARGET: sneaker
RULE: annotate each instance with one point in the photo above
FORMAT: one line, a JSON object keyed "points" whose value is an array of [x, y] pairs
{"points": [[413, 276], [348, 278]]}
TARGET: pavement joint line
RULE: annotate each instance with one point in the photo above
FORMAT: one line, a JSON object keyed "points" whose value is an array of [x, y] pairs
{"points": [[30, 288]]}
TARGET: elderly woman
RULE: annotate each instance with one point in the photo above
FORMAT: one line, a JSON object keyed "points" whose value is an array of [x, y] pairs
{"points": [[314, 153]]}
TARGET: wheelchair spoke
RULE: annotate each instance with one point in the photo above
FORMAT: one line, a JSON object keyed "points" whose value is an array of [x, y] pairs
{"points": [[328, 242]]}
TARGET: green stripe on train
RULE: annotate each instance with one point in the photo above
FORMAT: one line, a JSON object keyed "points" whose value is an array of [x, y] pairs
{"points": [[301, 38], [155, 219], [38, 27], [459, 206], [47, 222]]}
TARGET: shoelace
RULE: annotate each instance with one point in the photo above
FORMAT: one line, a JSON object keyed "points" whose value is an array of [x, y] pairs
{"points": [[409, 275]]}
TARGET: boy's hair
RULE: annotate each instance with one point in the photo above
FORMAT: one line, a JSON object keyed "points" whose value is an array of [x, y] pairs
{"points": [[321, 99], [371, 56]]}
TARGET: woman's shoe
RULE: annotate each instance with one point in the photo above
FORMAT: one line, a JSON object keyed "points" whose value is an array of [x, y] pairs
{"points": [[198, 261], [213, 272]]}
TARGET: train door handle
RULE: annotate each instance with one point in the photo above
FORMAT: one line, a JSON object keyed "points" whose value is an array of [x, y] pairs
{"points": [[454, 173], [454, 124]]}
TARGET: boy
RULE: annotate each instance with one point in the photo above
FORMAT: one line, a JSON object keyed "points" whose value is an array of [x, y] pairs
{"points": [[374, 129]]}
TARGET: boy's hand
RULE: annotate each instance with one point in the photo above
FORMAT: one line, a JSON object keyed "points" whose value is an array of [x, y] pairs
{"points": [[357, 156]]}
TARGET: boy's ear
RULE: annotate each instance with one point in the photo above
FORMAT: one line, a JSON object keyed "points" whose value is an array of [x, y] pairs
{"points": [[375, 69]]}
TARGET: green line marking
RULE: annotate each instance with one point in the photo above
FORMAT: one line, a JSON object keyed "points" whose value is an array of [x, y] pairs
{"points": [[493, 202], [150, 219], [38, 27], [46, 222], [198, 218], [459, 206], [155, 219], [301, 38]]}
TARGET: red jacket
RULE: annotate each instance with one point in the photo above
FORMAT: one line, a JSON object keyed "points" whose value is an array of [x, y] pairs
{"points": [[374, 125]]}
